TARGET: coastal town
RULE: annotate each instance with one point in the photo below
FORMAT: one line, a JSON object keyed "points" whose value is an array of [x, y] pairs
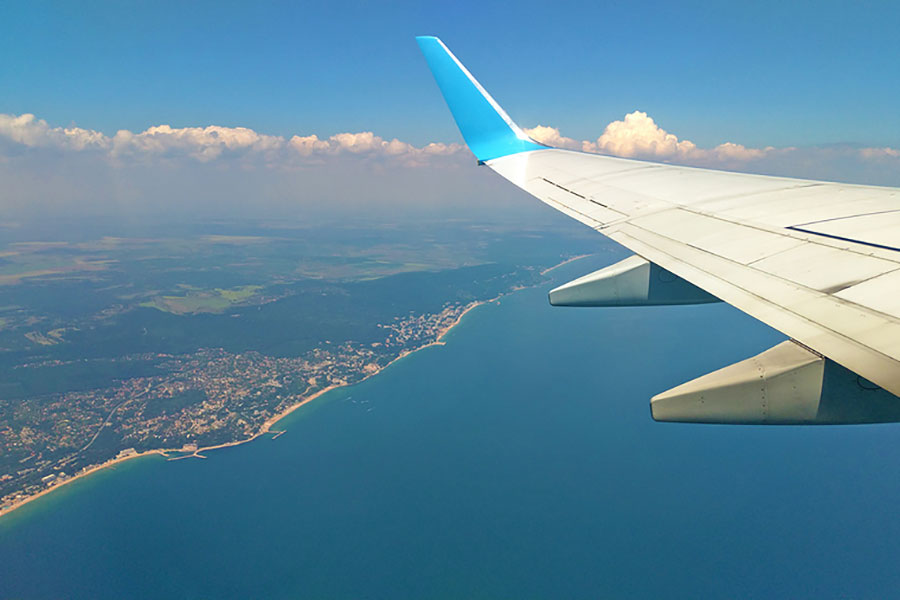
{"points": [[198, 401]]}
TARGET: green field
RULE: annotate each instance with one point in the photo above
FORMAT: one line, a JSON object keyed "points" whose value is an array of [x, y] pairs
{"points": [[213, 301]]}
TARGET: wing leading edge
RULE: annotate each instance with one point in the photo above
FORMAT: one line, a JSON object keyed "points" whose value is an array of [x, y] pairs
{"points": [[818, 261]]}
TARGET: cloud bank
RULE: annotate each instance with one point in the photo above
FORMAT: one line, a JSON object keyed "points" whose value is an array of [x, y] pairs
{"points": [[51, 170], [637, 135], [206, 144]]}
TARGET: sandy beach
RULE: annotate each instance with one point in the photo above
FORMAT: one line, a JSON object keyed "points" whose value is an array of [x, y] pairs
{"points": [[564, 263], [110, 463]]}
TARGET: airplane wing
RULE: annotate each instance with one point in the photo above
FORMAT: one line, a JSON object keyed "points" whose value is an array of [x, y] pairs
{"points": [[818, 261]]}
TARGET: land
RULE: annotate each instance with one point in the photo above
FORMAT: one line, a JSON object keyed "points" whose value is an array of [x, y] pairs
{"points": [[191, 449], [181, 345]]}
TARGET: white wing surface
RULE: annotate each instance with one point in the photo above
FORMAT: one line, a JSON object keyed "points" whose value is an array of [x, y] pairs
{"points": [[818, 261]]}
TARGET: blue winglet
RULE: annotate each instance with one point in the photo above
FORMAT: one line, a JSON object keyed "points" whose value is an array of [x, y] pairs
{"points": [[486, 127]]}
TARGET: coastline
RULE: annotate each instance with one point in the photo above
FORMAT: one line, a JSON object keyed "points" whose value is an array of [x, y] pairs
{"points": [[90, 470], [271, 421], [264, 429]]}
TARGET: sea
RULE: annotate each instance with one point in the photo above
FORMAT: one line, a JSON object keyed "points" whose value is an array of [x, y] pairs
{"points": [[516, 461]]}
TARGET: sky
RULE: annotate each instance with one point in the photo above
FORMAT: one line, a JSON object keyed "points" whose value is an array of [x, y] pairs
{"points": [[103, 103]]}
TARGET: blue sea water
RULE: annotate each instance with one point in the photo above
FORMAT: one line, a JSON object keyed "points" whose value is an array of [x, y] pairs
{"points": [[517, 461]]}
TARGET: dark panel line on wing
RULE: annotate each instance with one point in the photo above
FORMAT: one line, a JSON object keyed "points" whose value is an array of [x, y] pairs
{"points": [[844, 239], [585, 198], [553, 183]]}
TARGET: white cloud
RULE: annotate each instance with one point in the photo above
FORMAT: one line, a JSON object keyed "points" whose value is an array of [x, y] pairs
{"points": [[36, 133], [552, 137], [201, 143], [207, 144], [215, 170], [367, 143], [730, 151], [357, 143], [637, 135], [441, 149], [310, 144]]}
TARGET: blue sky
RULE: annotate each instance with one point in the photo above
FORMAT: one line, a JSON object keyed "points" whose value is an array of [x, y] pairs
{"points": [[253, 108], [760, 73]]}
